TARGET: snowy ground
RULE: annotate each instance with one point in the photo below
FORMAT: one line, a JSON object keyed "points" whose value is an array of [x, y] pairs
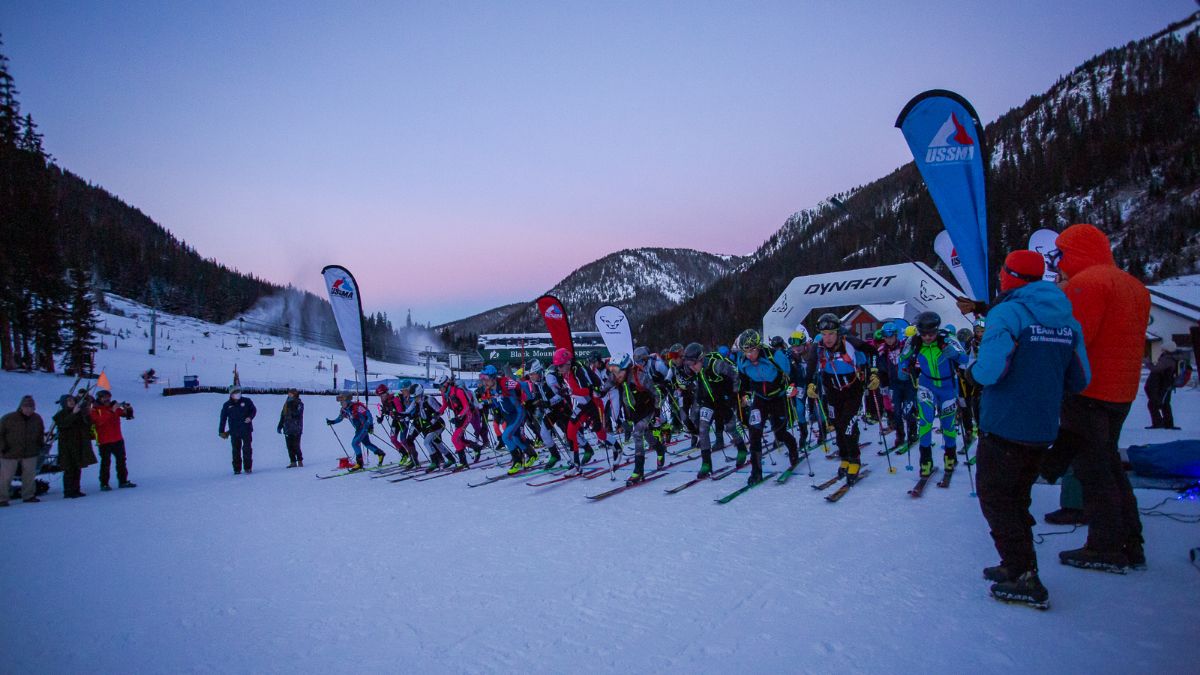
{"points": [[199, 570]]}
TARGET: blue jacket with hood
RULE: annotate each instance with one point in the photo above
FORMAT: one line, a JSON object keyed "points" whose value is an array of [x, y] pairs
{"points": [[1032, 353]]}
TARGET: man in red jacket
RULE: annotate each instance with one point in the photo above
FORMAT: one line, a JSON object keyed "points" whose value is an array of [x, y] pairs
{"points": [[106, 416], [1114, 309]]}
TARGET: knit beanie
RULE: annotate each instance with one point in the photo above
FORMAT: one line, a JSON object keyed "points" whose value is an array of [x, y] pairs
{"points": [[1020, 268]]}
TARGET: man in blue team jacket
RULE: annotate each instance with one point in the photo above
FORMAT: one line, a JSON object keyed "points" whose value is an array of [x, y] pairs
{"points": [[1032, 353]]}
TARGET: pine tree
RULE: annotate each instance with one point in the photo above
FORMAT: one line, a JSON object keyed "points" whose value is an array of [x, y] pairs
{"points": [[81, 324]]}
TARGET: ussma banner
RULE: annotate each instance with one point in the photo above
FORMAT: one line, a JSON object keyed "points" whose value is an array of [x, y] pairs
{"points": [[557, 323], [946, 139], [347, 311]]}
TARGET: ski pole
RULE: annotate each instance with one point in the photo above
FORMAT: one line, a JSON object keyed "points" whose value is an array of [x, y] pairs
{"points": [[883, 439], [339, 440], [970, 473]]}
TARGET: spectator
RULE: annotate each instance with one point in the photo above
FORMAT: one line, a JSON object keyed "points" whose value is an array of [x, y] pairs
{"points": [[1160, 384], [75, 453], [22, 440], [106, 416], [1030, 355], [238, 415], [291, 425], [1113, 309]]}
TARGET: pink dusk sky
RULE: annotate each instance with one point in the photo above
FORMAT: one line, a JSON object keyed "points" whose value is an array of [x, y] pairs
{"points": [[460, 155]]}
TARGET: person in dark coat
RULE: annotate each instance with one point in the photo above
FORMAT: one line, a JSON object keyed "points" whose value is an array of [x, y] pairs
{"points": [[74, 426], [1160, 384], [22, 439], [291, 425], [237, 415]]}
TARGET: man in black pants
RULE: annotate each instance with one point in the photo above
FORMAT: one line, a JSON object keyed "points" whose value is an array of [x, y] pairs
{"points": [[291, 425], [1032, 353], [238, 413]]}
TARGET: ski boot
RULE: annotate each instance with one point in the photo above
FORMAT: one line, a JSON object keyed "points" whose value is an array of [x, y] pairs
{"points": [[705, 464], [587, 454], [554, 459], [949, 460], [478, 451], [1136, 555], [105, 488], [639, 470], [756, 476], [843, 469], [291, 465], [462, 459], [852, 473], [793, 459], [517, 465], [661, 457], [1088, 559], [926, 469], [616, 451], [741, 457], [379, 456], [435, 462], [531, 458], [1026, 589]]}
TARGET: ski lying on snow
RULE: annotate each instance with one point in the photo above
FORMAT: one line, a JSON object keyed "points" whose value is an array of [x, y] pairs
{"points": [[654, 475], [841, 492], [716, 475], [945, 481], [743, 490], [921, 483], [898, 449]]}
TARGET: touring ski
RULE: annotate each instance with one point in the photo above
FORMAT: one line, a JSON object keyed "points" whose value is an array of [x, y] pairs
{"points": [[841, 492], [649, 477], [921, 483], [743, 490]]}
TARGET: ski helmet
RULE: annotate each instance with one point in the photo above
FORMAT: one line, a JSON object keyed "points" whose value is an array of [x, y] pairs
{"points": [[829, 321], [723, 350], [535, 367], [980, 322], [777, 342], [562, 356], [889, 329], [928, 322], [489, 371], [417, 389], [675, 350], [441, 381], [641, 354], [693, 352], [964, 335], [381, 390], [798, 336], [344, 398], [621, 361], [749, 339]]}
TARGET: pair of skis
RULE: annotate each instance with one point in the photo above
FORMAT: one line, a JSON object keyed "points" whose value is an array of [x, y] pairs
{"points": [[844, 488]]}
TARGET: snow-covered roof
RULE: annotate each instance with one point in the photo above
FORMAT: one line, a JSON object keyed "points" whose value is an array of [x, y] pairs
{"points": [[1182, 300]]}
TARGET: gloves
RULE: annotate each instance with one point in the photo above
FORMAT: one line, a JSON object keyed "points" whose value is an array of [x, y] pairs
{"points": [[223, 434], [792, 391], [380, 419], [812, 390], [330, 422], [873, 383]]}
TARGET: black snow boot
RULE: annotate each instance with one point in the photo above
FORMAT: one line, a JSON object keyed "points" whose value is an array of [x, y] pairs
{"points": [[462, 458], [1088, 559], [1026, 589], [997, 573]]}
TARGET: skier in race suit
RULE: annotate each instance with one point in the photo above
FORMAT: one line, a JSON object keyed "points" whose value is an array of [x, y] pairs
{"points": [[361, 421], [903, 417], [660, 374], [640, 403], [585, 409], [683, 392], [457, 402], [934, 361], [606, 391], [427, 422], [505, 395], [799, 375], [969, 392], [837, 364], [765, 385], [391, 409], [715, 382], [539, 413]]}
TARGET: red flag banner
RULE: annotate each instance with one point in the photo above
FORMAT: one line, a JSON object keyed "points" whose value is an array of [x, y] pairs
{"points": [[557, 323]]}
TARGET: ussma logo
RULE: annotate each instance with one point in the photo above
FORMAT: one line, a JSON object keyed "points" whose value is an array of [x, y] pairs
{"points": [[950, 144], [342, 288], [554, 312]]}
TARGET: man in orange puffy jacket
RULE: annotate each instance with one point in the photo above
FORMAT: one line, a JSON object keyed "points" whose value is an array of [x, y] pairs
{"points": [[1114, 309]]}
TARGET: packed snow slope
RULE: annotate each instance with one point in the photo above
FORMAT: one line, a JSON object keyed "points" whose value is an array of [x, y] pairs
{"points": [[200, 570]]}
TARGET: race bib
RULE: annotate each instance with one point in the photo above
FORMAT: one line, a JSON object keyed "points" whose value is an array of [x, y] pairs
{"points": [[706, 414], [755, 417]]}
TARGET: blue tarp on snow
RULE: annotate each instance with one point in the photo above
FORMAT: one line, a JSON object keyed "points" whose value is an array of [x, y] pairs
{"points": [[1165, 460]]}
